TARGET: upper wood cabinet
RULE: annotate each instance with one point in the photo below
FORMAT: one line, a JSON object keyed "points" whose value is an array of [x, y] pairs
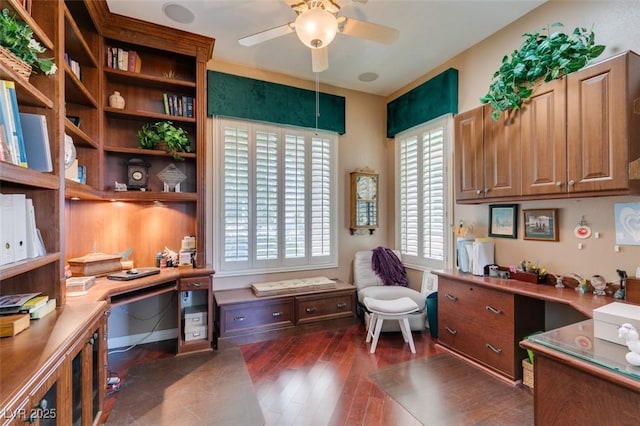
{"points": [[487, 155], [602, 125], [544, 141], [575, 137]]}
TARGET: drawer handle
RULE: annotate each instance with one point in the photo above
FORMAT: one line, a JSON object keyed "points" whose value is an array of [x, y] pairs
{"points": [[341, 305], [195, 285], [276, 314], [493, 348], [494, 310], [450, 297], [454, 332], [238, 319], [310, 310]]}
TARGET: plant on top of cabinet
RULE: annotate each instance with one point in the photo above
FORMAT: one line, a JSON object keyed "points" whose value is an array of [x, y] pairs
{"points": [[176, 139], [17, 37], [543, 56]]}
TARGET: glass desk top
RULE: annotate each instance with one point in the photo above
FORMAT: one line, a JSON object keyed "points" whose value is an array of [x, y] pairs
{"points": [[577, 340]]}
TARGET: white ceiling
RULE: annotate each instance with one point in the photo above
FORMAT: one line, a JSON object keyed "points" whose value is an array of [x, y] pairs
{"points": [[431, 32]]}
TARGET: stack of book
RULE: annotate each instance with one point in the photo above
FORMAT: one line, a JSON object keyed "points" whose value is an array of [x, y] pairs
{"points": [[14, 308], [25, 144], [124, 60], [178, 105]]}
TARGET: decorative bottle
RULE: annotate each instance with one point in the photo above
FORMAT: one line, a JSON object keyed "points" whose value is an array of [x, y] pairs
{"points": [[116, 100]]}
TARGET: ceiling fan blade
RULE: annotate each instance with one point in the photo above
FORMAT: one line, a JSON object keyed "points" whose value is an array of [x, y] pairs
{"points": [[319, 59], [368, 30], [266, 35]]}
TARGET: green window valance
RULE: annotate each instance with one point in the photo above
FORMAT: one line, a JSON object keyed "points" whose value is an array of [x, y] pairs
{"points": [[241, 97], [430, 100]]}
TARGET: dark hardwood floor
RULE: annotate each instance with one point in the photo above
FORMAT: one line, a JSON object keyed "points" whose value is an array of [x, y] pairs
{"points": [[319, 378]]}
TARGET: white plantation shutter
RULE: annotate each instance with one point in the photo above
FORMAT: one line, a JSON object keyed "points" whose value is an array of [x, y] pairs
{"points": [[321, 196], [235, 227], [294, 196], [422, 196], [266, 195], [279, 198]]}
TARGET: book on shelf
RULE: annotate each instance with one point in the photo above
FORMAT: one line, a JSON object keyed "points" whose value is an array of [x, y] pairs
{"points": [[5, 151], [44, 310], [10, 325], [122, 59], [14, 120], [36, 141], [34, 303], [165, 103], [12, 303], [34, 246]]}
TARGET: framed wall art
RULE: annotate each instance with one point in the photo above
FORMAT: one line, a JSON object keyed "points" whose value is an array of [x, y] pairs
{"points": [[541, 224], [503, 220]]}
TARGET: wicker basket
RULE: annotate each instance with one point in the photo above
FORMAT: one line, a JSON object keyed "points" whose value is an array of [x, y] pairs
{"points": [[16, 64], [527, 373]]}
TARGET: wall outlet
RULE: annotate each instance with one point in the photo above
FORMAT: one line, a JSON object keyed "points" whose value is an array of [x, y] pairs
{"points": [[186, 298]]}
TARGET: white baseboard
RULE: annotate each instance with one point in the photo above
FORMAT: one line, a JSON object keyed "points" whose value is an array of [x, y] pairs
{"points": [[138, 339]]}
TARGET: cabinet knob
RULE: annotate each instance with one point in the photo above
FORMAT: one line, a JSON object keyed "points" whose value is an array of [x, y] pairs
{"points": [[572, 182], [493, 348], [494, 310], [453, 332], [276, 314], [341, 305], [450, 297], [311, 309], [486, 190], [559, 184], [478, 192]]}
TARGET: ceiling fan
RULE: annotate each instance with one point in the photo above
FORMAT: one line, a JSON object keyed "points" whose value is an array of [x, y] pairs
{"points": [[316, 26]]}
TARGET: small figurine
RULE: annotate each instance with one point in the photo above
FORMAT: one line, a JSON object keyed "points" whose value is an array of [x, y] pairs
{"points": [[629, 332], [559, 283], [619, 294]]}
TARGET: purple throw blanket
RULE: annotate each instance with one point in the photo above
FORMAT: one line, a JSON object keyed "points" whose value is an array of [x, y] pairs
{"points": [[388, 267]]}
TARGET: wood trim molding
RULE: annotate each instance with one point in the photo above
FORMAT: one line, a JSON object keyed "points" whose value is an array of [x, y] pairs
{"points": [[135, 31]]}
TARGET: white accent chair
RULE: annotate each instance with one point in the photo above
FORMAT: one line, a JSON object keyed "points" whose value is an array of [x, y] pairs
{"points": [[368, 284]]}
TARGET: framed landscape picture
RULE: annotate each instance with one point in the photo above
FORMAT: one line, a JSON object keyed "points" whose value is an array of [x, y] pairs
{"points": [[503, 220], [541, 224]]}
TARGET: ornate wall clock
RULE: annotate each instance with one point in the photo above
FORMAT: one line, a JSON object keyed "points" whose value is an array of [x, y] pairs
{"points": [[364, 200]]}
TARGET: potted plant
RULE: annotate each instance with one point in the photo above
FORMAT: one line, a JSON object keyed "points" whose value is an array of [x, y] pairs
{"points": [[543, 56], [17, 38], [164, 135]]}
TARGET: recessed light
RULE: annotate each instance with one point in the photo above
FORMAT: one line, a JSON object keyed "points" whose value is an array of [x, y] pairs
{"points": [[178, 13], [368, 76]]}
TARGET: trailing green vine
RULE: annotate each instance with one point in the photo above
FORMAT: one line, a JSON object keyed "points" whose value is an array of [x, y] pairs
{"points": [[543, 56]]}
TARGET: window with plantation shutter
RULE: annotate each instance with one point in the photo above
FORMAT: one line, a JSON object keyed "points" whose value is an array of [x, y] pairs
{"points": [[277, 197], [422, 194]]}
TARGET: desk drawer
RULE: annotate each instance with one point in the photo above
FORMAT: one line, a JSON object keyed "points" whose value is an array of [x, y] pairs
{"points": [[249, 317], [195, 283], [324, 307]]}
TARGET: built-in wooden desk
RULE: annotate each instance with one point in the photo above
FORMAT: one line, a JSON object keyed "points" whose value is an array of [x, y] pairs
{"points": [[169, 279], [484, 318]]}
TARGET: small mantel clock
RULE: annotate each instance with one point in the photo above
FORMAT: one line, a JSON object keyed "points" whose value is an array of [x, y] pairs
{"points": [[364, 200], [137, 174]]}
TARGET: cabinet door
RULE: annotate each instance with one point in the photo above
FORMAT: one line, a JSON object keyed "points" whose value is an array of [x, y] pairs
{"points": [[544, 158], [501, 154], [597, 127], [469, 157]]}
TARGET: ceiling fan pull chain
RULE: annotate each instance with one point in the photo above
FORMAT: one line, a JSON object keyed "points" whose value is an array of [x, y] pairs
{"points": [[317, 99]]}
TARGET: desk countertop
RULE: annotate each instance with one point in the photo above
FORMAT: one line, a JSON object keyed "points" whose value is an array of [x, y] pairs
{"points": [[104, 288], [583, 303]]}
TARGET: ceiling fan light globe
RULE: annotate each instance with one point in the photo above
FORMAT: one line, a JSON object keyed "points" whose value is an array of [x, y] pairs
{"points": [[316, 28]]}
